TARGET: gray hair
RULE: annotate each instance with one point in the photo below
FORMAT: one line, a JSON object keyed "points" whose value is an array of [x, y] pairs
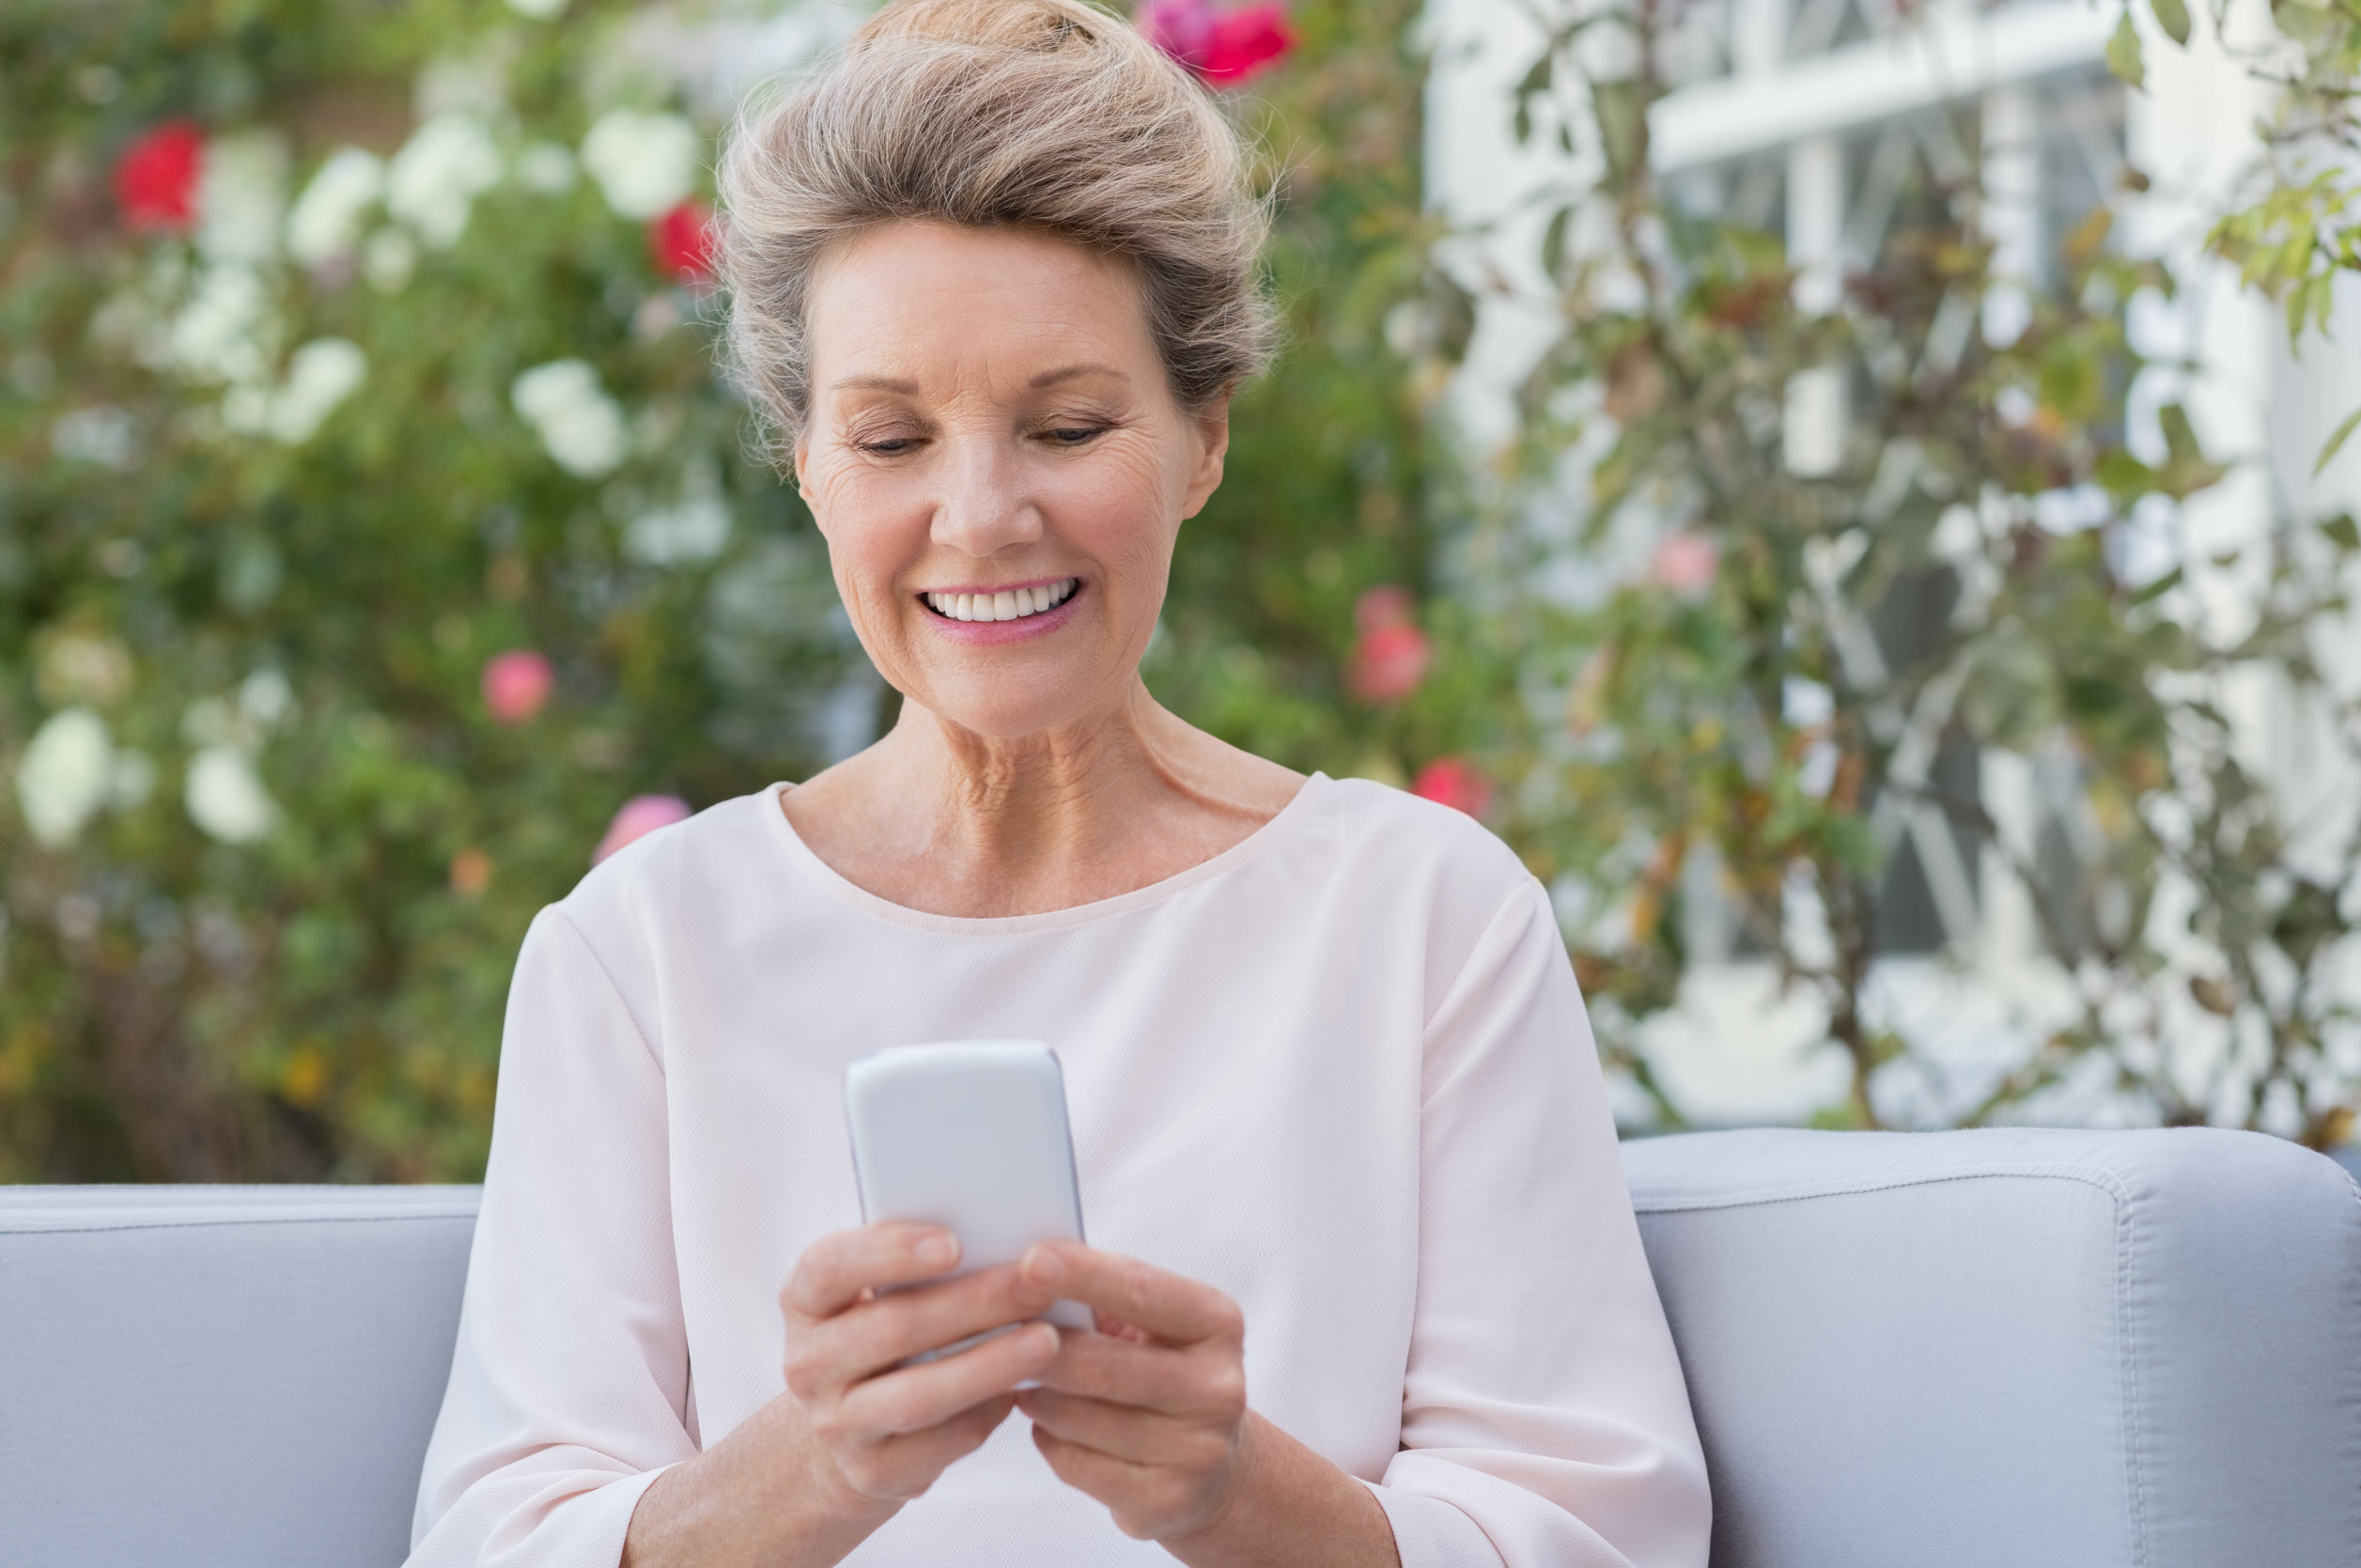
{"points": [[1042, 114]]}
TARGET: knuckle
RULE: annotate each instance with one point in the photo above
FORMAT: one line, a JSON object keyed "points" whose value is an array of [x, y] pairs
{"points": [[1225, 1389]]}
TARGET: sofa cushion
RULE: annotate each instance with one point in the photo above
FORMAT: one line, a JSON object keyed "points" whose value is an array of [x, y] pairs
{"points": [[2016, 1349], [222, 1376]]}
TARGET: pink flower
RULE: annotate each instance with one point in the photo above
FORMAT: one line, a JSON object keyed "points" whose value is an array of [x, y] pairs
{"points": [[1391, 655], [641, 815], [1225, 47], [517, 684], [1388, 663], [682, 241], [1457, 783], [1686, 563], [155, 179]]}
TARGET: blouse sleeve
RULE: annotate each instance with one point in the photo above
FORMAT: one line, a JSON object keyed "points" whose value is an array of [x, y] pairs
{"points": [[569, 1391], [1545, 1420]]}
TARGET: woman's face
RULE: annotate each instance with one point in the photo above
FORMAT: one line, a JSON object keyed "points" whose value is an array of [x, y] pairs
{"points": [[999, 467]]}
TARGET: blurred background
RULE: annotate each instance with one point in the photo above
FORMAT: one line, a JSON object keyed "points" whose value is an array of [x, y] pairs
{"points": [[1854, 490]]}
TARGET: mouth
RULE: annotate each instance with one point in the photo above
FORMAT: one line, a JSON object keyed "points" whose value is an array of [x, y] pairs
{"points": [[1002, 604]]}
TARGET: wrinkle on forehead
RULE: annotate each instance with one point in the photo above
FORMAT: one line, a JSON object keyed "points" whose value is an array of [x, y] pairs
{"points": [[939, 312]]}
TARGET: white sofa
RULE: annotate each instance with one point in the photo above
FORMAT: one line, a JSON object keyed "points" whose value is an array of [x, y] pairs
{"points": [[1986, 1349]]}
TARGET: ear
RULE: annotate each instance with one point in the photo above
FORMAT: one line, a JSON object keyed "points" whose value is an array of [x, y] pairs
{"points": [[1212, 425], [800, 469]]}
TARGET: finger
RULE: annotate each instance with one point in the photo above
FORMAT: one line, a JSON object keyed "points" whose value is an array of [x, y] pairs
{"points": [[900, 1468], [875, 1335], [912, 1399], [1122, 1487], [1124, 1430], [835, 1269], [1176, 1310], [1152, 1377]]}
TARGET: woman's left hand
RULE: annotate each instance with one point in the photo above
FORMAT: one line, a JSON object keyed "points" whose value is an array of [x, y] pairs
{"points": [[1149, 1414]]}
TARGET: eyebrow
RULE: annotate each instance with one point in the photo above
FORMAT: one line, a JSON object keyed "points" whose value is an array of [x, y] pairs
{"points": [[876, 383], [1051, 377]]}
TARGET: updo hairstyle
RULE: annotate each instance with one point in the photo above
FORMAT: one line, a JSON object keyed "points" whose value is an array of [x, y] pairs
{"points": [[1043, 115]]}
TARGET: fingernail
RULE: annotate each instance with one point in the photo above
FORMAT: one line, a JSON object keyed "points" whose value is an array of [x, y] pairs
{"points": [[939, 1251], [1043, 1267], [1045, 1339]]}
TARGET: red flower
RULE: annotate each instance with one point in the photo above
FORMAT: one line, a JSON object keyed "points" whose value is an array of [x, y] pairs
{"points": [[516, 684], [641, 815], [1245, 41], [1391, 657], [1223, 47], [1457, 783], [155, 179], [682, 241]]}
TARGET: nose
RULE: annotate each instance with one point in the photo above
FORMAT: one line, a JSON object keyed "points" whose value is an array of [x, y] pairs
{"points": [[982, 507]]}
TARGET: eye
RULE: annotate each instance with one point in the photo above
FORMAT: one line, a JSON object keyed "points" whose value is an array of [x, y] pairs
{"points": [[891, 446], [1077, 435]]}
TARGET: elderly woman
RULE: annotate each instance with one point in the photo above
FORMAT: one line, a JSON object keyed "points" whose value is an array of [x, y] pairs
{"points": [[1367, 1281]]}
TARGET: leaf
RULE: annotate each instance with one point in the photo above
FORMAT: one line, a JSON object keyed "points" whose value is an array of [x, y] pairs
{"points": [[2124, 53], [1622, 107], [2083, 242], [2329, 451], [1553, 243], [2174, 17], [2161, 586], [2340, 529]]}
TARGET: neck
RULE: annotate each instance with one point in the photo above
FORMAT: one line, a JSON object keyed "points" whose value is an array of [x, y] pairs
{"points": [[1061, 793], [939, 817]]}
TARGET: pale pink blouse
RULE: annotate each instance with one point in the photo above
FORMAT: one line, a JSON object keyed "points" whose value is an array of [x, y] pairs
{"points": [[1340, 1071]]}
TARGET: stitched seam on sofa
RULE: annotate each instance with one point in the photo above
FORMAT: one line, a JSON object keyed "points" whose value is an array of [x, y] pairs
{"points": [[260, 1220], [2135, 1443], [2090, 1176]]}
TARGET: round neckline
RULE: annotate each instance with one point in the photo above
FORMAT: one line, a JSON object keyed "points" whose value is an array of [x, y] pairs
{"points": [[845, 891]]}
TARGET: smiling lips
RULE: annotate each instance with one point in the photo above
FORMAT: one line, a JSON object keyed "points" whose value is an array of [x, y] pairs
{"points": [[1006, 604]]}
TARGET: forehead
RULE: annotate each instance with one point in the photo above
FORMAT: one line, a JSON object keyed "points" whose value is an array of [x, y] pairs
{"points": [[928, 301]]}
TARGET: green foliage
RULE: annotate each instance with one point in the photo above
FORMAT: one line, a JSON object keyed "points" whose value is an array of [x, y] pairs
{"points": [[1761, 720]]}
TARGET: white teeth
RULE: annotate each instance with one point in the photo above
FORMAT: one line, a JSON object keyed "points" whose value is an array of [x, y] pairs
{"points": [[1007, 604]]}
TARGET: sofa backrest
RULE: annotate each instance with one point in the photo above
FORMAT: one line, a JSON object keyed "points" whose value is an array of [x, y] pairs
{"points": [[2117, 1350], [2035, 1349], [208, 1375]]}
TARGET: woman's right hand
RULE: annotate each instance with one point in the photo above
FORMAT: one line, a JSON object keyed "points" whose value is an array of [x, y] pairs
{"points": [[814, 1472]]}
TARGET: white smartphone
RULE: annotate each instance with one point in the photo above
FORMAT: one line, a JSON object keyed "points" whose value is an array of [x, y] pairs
{"points": [[971, 1135]]}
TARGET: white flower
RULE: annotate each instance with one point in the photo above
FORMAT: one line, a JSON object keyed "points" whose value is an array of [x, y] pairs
{"points": [[539, 10], [435, 176], [62, 780], [547, 167], [321, 375], [101, 435], [388, 260], [693, 531], [326, 222], [266, 697], [578, 421], [240, 193], [225, 798], [224, 333], [644, 164]]}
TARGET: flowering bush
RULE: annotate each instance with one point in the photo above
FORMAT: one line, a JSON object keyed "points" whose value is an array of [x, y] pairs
{"points": [[377, 548]]}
